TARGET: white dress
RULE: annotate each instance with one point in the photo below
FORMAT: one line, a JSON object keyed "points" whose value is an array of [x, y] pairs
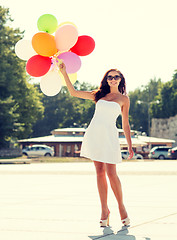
{"points": [[101, 139]]}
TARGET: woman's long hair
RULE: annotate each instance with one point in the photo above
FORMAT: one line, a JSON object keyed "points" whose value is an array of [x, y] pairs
{"points": [[104, 88]]}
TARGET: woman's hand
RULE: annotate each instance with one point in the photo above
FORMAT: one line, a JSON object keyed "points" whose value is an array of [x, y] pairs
{"points": [[62, 67], [131, 153]]}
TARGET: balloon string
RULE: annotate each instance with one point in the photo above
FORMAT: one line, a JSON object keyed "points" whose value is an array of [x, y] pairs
{"points": [[56, 61]]}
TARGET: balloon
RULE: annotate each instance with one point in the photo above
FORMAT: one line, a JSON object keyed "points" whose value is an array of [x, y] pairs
{"points": [[84, 45], [50, 83], [24, 49], [66, 23], [47, 23], [66, 36], [38, 66], [72, 77], [71, 61], [44, 44]]}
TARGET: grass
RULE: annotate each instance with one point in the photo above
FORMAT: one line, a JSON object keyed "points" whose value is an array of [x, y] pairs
{"points": [[58, 159], [65, 159], [48, 159]]}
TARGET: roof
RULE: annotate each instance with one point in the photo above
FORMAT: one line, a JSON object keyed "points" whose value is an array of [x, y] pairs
{"points": [[61, 138], [136, 141], [69, 130], [155, 139], [54, 138]]}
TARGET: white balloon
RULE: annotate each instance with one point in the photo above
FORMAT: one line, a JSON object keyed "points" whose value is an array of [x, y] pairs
{"points": [[51, 83], [24, 49]]}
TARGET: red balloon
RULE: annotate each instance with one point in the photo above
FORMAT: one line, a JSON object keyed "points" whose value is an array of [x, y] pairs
{"points": [[38, 65], [84, 45]]}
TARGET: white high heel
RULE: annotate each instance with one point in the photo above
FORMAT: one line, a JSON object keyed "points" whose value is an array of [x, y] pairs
{"points": [[126, 221], [105, 223]]}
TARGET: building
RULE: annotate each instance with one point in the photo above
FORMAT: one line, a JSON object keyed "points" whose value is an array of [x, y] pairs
{"points": [[67, 141]]}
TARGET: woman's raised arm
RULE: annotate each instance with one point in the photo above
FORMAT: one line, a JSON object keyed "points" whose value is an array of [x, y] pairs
{"points": [[72, 90]]}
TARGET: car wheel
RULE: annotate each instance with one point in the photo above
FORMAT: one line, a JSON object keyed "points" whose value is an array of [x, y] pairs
{"points": [[161, 157], [25, 154], [47, 155]]}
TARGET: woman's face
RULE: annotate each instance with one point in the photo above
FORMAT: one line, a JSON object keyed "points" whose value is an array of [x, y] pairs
{"points": [[113, 79]]}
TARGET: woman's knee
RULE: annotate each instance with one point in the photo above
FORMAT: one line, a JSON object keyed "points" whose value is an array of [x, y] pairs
{"points": [[100, 168], [111, 171]]}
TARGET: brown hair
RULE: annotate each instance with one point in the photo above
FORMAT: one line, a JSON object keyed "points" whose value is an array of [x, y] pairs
{"points": [[104, 88]]}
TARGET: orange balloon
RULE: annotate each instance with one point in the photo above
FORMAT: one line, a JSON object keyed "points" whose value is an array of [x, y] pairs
{"points": [[44, 44]]}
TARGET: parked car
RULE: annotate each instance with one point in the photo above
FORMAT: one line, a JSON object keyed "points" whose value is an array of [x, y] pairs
{"points": [[159, 152], [38, 150], [172, 153], [125, 154]]}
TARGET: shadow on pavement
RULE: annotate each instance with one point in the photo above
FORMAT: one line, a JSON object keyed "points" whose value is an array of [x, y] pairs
{"points": [[122, 234]]}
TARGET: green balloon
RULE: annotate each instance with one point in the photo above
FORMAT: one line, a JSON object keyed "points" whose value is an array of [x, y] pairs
{"points": [[47, 23]]}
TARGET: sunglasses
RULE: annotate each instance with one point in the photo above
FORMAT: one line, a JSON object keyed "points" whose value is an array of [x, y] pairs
{"points": [[116, 77]]}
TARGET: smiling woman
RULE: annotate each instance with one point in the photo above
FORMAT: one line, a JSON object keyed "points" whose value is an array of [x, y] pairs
{"points": [[101, 141], [111, 78]]}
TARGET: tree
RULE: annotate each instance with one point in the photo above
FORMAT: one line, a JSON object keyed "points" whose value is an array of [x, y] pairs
{"points": [[168, 100], [63, 110], [140, 101], [20, 104]]}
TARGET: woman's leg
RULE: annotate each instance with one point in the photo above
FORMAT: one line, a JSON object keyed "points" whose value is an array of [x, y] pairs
{"points": [[116, 187], [102, 188]]}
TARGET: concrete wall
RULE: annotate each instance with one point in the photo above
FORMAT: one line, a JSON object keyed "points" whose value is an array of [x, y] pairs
{"points": [[164, 128]]}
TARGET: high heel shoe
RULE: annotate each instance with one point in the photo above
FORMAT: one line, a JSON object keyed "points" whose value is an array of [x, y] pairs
{"points": [[126, 221], [105, 223]]}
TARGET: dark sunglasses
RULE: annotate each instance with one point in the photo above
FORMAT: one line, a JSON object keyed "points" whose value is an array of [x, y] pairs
{"points": [[116, 77]]}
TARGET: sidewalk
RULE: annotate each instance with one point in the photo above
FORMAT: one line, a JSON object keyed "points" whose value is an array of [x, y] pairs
{"points": [[163, 167], [60, 202]]}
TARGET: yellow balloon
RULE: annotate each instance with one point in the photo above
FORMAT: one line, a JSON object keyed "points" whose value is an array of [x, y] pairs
{"points": [[64, 23], [72, 77]]}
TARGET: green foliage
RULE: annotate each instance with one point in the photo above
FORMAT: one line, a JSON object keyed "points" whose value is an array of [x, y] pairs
{"points": [[63, 110], [168, 100], [140, 103], [20, 104], [160, 99], [8, 118]]}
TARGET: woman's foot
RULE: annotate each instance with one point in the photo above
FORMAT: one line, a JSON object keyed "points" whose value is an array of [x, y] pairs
{"points": [[123, 212], [104, 221], [105, 214], [126, 221]]}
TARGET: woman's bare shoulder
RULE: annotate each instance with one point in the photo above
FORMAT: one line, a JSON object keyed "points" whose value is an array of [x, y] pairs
{"points": [[125, 100]]}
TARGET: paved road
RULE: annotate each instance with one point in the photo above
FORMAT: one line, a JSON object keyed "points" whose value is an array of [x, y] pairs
{"points": [[60, 201]]}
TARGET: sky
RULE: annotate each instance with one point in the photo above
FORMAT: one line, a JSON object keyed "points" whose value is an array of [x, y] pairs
{"points": [[138, 37]]}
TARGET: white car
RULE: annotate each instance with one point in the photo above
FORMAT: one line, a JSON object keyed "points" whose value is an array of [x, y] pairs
{"points": [[38, 150], [125, 154]]}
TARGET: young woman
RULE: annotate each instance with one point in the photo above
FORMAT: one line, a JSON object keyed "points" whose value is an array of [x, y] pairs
{"points": [[101, 141]]}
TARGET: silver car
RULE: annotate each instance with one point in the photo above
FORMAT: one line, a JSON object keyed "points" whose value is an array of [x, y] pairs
{"points": [[159, 152], [38, 150]]}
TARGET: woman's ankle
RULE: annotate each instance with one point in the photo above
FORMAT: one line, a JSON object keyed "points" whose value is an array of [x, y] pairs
{"points": [[123, 212], [105, 212]]}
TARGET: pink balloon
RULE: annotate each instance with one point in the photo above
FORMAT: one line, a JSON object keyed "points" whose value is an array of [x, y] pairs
{"points": [[71, 60], [65, 37]]}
